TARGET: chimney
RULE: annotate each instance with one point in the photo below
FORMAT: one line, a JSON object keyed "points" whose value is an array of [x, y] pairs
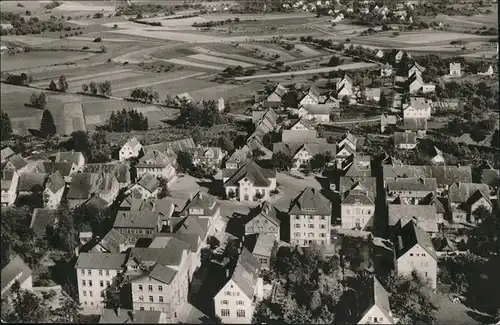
{"points": [[400, 242], [227, 273]]}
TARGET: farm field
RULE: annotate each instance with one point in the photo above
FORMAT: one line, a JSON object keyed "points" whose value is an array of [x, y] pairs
{"points": [[40, 58], [420, 38]]}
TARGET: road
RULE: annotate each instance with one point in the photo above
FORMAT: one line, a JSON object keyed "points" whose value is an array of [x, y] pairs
{"points": [[350, 66]]}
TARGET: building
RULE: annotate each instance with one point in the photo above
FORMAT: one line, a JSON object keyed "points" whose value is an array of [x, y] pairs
{"points": [[85, 186], [10, 179], [372, 94], [121, 170], [416, 84], [358, 210], [386, 70], [301, 124], [236, 301], [95, 273], [159, 276], [438, 158], [112, 242], [424, 216], [375, 305], [130, 316], [310, 97], [455, 69], [6, 153], [398, 55], [136, 224], [310, 218], [76, 158], [274, 98], [239, 157], [418, 107], [131, 149], [211, 157], [405, 140], [41, 219], [262, 247], [16, 270], [158, 164], [410, 190], [359, 166], [147, 187], [486, 70], [16, 163], [249, 182], [465, 198], [378, 53], [303, 153], [221, 105], [415, 69], [263, 220], [66, 169], [204, 206], [349, 140], [414, 251], [301, 136], [54, 190]]}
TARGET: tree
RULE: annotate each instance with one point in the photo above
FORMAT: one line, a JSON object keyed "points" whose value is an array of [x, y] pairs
{"points": [[38, 101], [282, 161], [335, 61], [63, 84], [65, 230], [346, 100], [69, 312], [105, 88], [85, 88], [79, 141], [52, 86], [47, 125], [384, 101], [5, 126], [27, 307], [185, 161], [225, 143], [93, 88], [477, 133], [164, 190], [257, 154]]}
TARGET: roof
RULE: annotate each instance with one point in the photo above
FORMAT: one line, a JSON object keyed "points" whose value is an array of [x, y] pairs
{"points": [[176, 146], [415, 123], [136, 219], [192, 225], [425, 215], [41, 218], [418, 66], [360, 166], [411, 235], [301, 136], [303, 121], [121, 170], [49, 167], [31, 181], [240, 155], [357, 197], [376, 295], [412, 184], [110, 316], [7, 177], [444, 175], [69, 156], [112, 240], [166, 251], [280, 90], [491, 177], [310, 201], [55, 182], [461, 192], [191, 239], [349, 137], [313, 91], [372, 92], [418, 103], [250, 170], [264, 245], [153, 159], [317, 109], [149, 182], [184, 96], [82, 186], [266, 210], [203, 201], [15, 270], [17, 161], [432, 199], [133, 143], [477, 195], [349, 183], [400, 138], [104, 261], [246, 273], [6, 153]]}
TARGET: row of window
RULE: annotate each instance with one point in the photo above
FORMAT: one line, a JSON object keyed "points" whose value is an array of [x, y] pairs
{"points": [[89, 283], [136, 231], [358, 211], [228, 293], [307, 242], [159, 309], [91, 293], [311, 234], [89, 272], [418, 254], [151, 299], [227, 313], [311, 226], [226, 302], [298, 217], [150, 288]]}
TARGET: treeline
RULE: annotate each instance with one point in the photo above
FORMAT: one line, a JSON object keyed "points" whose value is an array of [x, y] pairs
{"points": [[17, 79], [142, 8], [126, 121], [213, 23], [62, 85], [146, 95], [33, 25], [237, 71], [102, 88], [150, 23]]}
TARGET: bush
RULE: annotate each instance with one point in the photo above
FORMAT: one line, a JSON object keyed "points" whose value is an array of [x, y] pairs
{"points": [[97, 40], [85, 48]]}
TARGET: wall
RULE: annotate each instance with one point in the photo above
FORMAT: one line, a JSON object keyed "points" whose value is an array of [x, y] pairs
{"points": [[419, 259], [93, 286], [301, 232]]}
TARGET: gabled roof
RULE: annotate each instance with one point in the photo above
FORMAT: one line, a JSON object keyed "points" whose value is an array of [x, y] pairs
{"points": [[256, 174], [315, 148], [311, 91], [17, 161], [418, 66], [153, 159], [31, 181], [412, 184], [431, 199], [260, 244], [15, 270], [82, 185], [203, 201], [176, 145], [280, 90], [400, 138], [133, 143], [119, 169], [461, 192], [444, 175], [68, 156], [266, 210], [132, 203], [7, 177], [192, 225], [376, 295], [240, 155], [103, 261], [418, 103], [49, 167], [55, 182], [246, 273], [357, 197], [303, 121], [349, 137], [476, 196], [425, 215], [310, 201], [348, 183], [317, 109], [129, 316], [149, 182], [136, 219], [6, 153], [411, 235], [191, 239], [42, 218], [112, 240], [360, 167]]}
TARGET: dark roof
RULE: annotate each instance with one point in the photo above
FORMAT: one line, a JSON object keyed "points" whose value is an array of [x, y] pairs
{"points": [[149, 182], [444, 175], [176, 145], [110, 316], [112, 240], [308, 124], [31, 181], [109, 261], [192, 225], [412, 184], [431, 199], [15, 268], [97, 202], [461, 192], [266, 210], [7, 177], [153, 159], [415, 124], [55, 182], [310, 201], [68, 156], [348, 183], [49, 167], [136, 219], [425, 215], [42, 218], [246, 273], [359, 167], [82, 186], [203, 201], [18, 161], [301, 136], [256, 174], [191, 239], [411, 235], [260, 244], [477, 195], [120, 170], [358, 197]]}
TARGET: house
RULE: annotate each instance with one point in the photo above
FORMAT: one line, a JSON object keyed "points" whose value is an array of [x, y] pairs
{"points": [[365, 184], [136, 224], [263, 220], [357, 210], [121, 170], [349, 140], [301, 124], [310, 218], [416, 84], [6, 153], [112, 242], [41, 219], [131, 149], [249, 182], [30, 183], [438, 158], [455, 69], [306, 152], [410, 190], [310, 96], [130, 316], [345, 148], [330, 100], [441, 204], [301, 136], [159, 276], [76, 158], [16, 163], [267, 120], [359, 166], [418, 107], [468, 197], [16, 270], [424, 216], [386, 70], [10, 179], [372, 94], [416, 124], [486, 70], [183, 98], [414, 251], [157, 164], [387, 120], [378, 53], [221, 105], [95, 273], [148, 186], [374, 305], [405, 140], [262, 247], [274, 98], [66, 169], [169, 147], [211, 157], [236, 301], [317, 112], [85, 186], [204, 206], [337, 17], [54, 190], [239, 157], [415, 69]]}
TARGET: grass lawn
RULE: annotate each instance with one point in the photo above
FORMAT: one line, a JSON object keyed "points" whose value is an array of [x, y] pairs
{"points": [[457, 313]]}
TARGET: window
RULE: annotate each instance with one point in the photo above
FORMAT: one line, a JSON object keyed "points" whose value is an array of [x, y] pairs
{"points": [[151, 308], [101, 283], [89, 272], [90, 283], [83, 272], [151, 299], [108, 283], [322, 234], [240, 302], [140, 287], [91, 294], [237, 294], [224, 312], [160, 298], [240, 313], [311, 234], [297, 234], [311, 226], [150, 288], [107, 272], [322, 226], [369, 318], [224, 302], [411, 254], [227, 293], [425, 273], [102, 294], [83, 283], [141, 298], [423, 254], [297, 217], [84, 293], [100, 272], [297, 225], [142, 308], [160, 288]]}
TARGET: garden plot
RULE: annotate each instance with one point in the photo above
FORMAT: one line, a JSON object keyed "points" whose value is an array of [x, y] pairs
{"points": [[72, 119], [168, 35], [153, 81], [214, 59], [239, 57], [307, 51], [284, 56], [76, 75], [192, 63], [11, 6]]}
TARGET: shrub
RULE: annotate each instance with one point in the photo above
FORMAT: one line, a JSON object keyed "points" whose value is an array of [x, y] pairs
{"points": [[85, 48], [97, 40]]}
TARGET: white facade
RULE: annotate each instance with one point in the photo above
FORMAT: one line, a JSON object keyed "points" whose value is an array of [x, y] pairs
{"points": [[145, 193], [308, 99], [455, 69], [233, 306], [407, 146], [306, 229], [52, 200], [302, 157], [247, 191], [357, 215], [9, 194], [412, 112], [417, 258], [167, 171], [375, 316], [428, 88], [129, 150], [92, 284]]}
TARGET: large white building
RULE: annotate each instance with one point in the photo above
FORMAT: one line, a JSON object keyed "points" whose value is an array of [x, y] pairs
{"points": [[131, 149], [250, 182]]}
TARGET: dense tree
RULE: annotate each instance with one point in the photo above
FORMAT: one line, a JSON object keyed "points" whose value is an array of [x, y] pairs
{"points": [[335, 61], [93, 88], [5, 126], [320, 161], [204, 113], [85, 88], [282, 161], [126, 121], [65, 230], [225, 143], [105, 88], [63, 84], [47, 125], [27, 307], [478, 133], [384, 101], [185, 161], [52, 86], [69, 312], [79, 141], [164, 190], [38, 101]]}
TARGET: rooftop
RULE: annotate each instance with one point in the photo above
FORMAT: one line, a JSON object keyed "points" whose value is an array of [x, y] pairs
{"points": [[310, 201], [15, 270], [411, 235], [110, 316], [104, 261]]}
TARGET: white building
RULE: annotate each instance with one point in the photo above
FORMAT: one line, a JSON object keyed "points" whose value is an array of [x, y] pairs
{"points": [[131, 149], [148, 186], [250, 182], [455, 69], [54, 190], [378, 308], [317, 112], [358, 210], [418, 107], [18, 271], [10, 179]]}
